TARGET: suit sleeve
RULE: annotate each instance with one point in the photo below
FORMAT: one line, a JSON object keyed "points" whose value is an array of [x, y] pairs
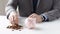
{"points": [[11, 7], [54, 13]]}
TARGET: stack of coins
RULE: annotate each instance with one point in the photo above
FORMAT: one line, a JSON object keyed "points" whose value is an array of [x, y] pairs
{"points": [[16, 27]]}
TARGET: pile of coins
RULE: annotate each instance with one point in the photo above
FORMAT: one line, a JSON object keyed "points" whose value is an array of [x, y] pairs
{"points": [[16, 27]]}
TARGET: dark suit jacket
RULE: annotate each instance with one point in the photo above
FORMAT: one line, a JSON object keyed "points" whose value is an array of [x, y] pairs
{"points": [[50, 8]]}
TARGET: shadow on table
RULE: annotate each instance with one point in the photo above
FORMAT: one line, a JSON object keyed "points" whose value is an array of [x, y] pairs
{"points": [[37, 29]]}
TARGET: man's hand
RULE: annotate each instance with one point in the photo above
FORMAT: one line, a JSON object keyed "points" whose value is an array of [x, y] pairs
{"points": [[38, 17], [13, 18]]}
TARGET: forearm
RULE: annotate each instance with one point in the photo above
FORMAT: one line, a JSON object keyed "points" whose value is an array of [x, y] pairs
{"points": [[8, 10], [11, 7], [52, 15]]}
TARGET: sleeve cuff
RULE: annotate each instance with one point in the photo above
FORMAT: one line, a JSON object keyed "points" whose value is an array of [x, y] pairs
{"points": [[45, 18]]}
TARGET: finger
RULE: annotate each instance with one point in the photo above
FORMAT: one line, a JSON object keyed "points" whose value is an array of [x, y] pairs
{"points": [[31, 16], [11, 18], [15, 19]]}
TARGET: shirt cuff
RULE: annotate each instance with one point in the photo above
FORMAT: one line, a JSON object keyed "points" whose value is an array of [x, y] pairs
{"points": [[45, 18]]}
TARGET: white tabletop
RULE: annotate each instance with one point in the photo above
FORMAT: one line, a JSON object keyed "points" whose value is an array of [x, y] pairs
{"points": [[42, 28]]}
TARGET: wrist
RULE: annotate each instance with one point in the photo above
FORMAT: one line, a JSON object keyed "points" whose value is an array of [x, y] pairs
{"points": [[44, 18]]}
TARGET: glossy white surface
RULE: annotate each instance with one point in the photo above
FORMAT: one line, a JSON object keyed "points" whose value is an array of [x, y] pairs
{"points": [[42, 28]]}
